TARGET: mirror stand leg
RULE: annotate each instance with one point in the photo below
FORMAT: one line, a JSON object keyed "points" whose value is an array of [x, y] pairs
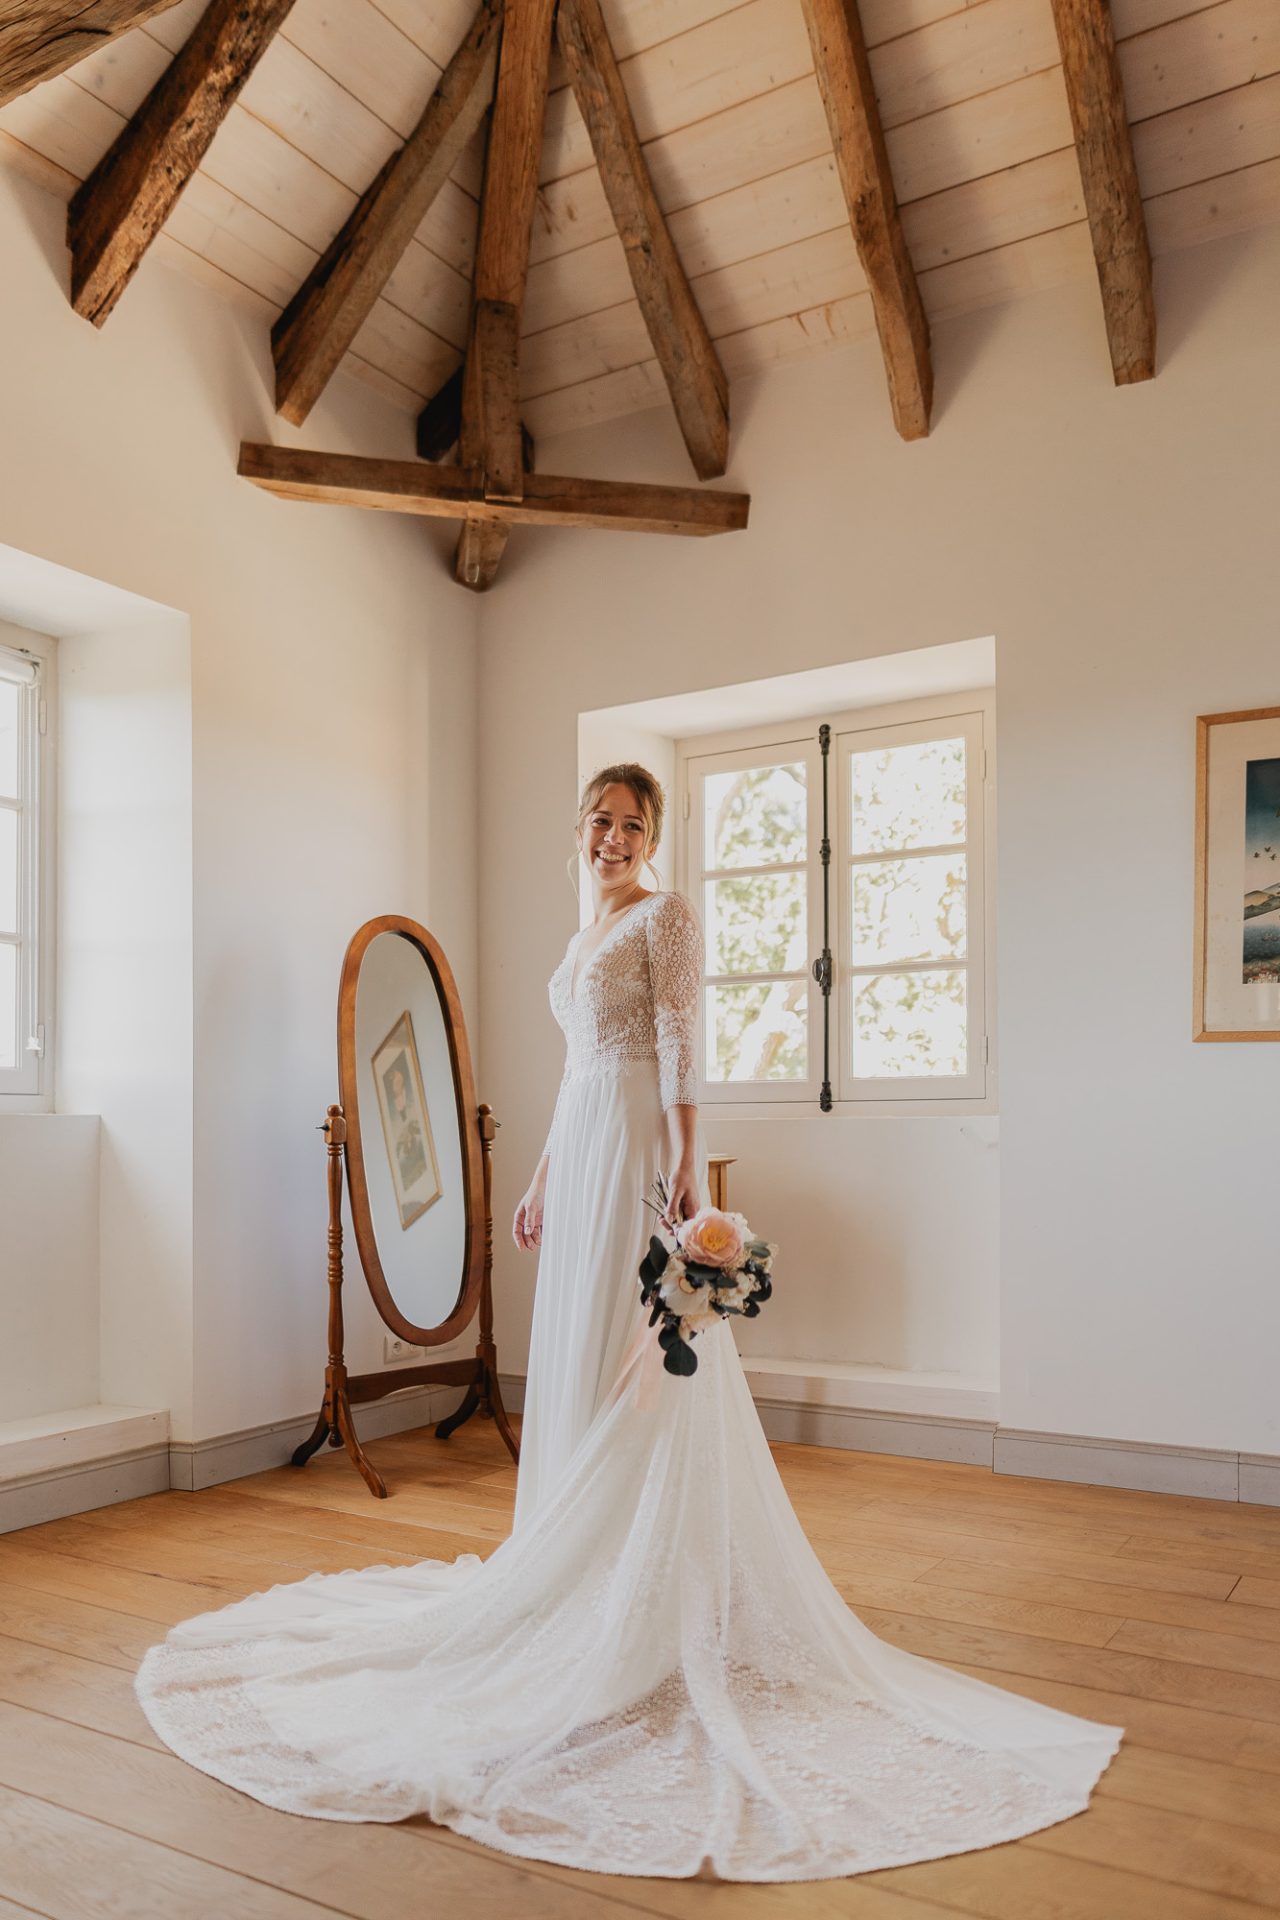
{"points": [[484, 1395], [491, 1403], [335, 1422], [345, 1434]]}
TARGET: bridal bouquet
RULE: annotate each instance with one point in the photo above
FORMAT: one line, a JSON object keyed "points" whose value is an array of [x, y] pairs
{"points": [[716, 1268]]}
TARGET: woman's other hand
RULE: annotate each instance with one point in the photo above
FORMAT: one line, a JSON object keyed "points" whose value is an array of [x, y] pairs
{"points": [[526, 1228], [683, 1199]]}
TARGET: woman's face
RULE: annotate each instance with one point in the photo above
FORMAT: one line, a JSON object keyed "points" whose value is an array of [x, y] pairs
{"points": [[612, 838]]}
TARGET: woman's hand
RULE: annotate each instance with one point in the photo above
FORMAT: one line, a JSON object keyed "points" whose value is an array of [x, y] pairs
{"points": [[526, 1228], [683, 1198]]}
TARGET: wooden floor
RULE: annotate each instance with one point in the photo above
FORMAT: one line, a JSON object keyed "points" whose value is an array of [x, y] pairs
{"points": [[1155, 1613]]}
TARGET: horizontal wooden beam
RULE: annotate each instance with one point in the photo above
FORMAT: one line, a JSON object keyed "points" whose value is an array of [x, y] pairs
{"points": [[862, 162], [39, 38], [328, 310], [117, 212], [457, 493], [1109, 176], [690, 364]]}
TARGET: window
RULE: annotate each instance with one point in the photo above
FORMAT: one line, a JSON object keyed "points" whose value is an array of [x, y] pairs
{"points": [[897, 803], [25, 882]]}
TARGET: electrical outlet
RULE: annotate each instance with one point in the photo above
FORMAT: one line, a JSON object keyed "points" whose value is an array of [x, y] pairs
{"points": [[395, 1349]]}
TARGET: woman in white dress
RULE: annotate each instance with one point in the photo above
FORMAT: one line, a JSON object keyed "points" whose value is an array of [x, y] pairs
{"points": [[653, 1674]]}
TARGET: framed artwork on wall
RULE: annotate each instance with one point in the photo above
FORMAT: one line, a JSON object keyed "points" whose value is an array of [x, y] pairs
{"points": [[1237, 925], [406, 1124]]}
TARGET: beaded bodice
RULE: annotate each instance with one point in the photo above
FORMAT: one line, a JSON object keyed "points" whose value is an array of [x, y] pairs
{"points": [[635, 997]]}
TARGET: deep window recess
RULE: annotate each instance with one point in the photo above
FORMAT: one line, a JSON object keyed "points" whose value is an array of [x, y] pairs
{"points": [[24, 883], [841, 870]]}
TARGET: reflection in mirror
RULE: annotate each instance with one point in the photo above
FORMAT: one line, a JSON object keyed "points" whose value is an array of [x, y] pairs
{"points": [[412, 1147]]}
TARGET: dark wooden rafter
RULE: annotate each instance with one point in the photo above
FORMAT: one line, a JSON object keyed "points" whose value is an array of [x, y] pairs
{"points": [[1109, 176], [691, 367], [117, 212], [457, 493], [324, 316], [440, 423], [41, 38], [502, 264], [862, 161]]}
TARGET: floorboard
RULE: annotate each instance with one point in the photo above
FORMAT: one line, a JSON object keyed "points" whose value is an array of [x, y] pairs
{"points": [[1157, 1613]]}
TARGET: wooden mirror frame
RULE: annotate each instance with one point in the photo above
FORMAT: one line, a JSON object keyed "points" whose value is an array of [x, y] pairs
{"points": [[473, 1257], [476, 1128]]}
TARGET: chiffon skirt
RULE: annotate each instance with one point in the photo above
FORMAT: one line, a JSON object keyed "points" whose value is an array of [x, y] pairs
{"points": [[653, 1674]]}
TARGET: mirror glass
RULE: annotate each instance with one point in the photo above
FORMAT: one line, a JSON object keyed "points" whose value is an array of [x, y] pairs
{"points": [[409, 1134]]}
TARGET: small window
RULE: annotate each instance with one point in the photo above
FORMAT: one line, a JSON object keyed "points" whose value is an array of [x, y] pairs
{"points": [[25, 883], [897, 819]]}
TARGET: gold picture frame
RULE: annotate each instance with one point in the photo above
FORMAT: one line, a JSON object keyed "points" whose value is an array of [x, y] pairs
{"points": [[406, 1122], [1237, 930]]}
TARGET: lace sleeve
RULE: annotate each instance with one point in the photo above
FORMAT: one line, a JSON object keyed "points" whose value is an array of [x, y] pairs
{"points": [[675, 971]]}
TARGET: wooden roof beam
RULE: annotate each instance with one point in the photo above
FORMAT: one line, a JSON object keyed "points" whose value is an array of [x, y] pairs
{"points": [[502, 258], [117, 212], [45, 37], [328, 310], [848, 94], [456, 493], [1109, 176], [690, 364]]}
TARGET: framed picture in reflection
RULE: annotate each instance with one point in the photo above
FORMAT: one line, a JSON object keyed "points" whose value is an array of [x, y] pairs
{"points": [[1237, 927], [406, 1124]]}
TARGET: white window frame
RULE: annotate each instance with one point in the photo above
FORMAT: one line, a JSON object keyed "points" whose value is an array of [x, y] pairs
{"points": [[929, 718], [28, 1086]]}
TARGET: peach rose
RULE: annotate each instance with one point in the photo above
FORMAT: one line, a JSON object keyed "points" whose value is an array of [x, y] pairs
{"points": [[713, 1239]]}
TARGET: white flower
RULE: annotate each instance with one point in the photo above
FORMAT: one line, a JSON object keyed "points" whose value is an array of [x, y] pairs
{"points": [[678, 1291], [703, 1316]]}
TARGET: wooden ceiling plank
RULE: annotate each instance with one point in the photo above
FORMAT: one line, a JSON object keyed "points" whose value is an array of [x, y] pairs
{"points": [[695, 378], [1109, 175], [45, 37], [550, 500], [324, 316], [502, 247], [118, 211], [862, 161]]}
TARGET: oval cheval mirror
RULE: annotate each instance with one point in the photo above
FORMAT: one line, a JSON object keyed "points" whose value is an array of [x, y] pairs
{"points": [[416, 1148]]}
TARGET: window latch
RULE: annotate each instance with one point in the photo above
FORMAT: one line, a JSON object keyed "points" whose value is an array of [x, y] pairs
{"points": [[36, 1043]]}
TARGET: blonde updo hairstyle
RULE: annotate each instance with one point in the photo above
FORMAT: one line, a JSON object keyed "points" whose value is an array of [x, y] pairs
{"points": [[650, 804]]}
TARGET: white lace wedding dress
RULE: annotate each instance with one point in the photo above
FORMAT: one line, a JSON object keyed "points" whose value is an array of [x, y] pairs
{"points": [[653, 1674]]}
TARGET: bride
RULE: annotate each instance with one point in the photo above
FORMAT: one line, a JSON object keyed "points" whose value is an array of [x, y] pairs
{"points": [[653, 1674]]}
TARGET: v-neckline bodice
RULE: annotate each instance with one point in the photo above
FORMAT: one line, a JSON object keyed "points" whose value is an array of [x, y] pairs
{"points": [[575, 984]]}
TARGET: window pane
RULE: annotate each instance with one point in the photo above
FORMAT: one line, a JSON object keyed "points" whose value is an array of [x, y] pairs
{"points": [[909, 909], [906, 1024], [8, 1006], [758, 1032], [909, 796], [754, 816], [756, 923], [10, 699], [8, 870]]}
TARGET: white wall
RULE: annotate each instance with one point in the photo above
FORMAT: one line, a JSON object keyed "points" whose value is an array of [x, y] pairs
{"points": [[333, 748], [49, 1263], [1121, 546], [123, 1009]]}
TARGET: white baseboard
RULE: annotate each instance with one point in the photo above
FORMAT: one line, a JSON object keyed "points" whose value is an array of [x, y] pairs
{"points": [[1210, 1472], [56, 1488]]}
